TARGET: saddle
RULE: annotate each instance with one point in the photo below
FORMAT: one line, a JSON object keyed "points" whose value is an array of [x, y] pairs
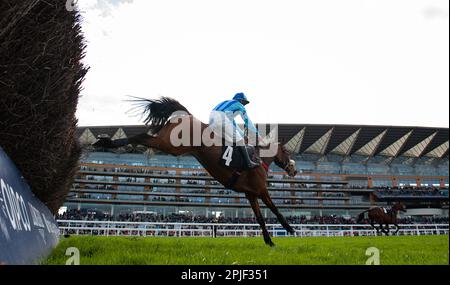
{"points": [[232, 157]]}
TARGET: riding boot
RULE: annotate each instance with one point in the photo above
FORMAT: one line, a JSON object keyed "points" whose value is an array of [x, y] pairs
{"points": [[247, 159]]}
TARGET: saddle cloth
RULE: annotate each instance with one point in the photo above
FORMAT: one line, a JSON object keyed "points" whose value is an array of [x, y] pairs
{"points": [[231, 157]]}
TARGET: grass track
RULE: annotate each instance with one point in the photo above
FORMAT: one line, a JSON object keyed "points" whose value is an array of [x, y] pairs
{"points": [[411, 250]]}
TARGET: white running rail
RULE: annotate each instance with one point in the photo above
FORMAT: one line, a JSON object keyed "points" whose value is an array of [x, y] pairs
{"points": [[110, 228]]}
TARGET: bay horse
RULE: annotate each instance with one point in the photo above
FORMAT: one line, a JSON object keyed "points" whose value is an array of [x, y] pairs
{"points": [[383, 217], [252, 182]]}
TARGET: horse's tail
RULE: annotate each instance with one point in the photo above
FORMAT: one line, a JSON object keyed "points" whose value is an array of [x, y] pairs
{"points": [[158, 112], [361, 216]]}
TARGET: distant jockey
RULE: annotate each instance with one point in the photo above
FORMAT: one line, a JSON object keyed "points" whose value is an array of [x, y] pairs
{"points": [[223, 124]]}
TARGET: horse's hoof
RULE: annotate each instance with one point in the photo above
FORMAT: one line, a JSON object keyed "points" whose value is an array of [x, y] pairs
{"points": [[270, 243]]}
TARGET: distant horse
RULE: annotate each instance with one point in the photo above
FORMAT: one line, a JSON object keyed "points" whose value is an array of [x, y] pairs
{"points": [[383, 216], [252, 182]]}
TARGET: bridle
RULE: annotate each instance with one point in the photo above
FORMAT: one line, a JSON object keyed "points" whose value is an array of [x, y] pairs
{"points": [[286, 166]]}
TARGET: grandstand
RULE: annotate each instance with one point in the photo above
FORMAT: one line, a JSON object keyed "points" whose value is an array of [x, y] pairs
{"points": [[343, 169]]}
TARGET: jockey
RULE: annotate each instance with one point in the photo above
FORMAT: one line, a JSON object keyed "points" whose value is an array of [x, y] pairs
{"points": [[223, 124]]}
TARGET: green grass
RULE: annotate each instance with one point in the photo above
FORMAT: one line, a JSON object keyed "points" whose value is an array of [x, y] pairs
{"points": [[394, 250]]}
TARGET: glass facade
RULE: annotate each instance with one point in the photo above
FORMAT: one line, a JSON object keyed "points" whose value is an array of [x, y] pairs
{"points": [[340, 178]]}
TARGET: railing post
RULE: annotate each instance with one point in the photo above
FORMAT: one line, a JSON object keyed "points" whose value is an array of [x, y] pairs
{"points": [[417, 230]]}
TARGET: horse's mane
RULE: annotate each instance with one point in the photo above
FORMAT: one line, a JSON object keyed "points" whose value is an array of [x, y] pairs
{"points": [[158, 111]]}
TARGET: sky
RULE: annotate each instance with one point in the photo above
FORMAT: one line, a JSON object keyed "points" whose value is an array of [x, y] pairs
{"points": [[359, 62]]}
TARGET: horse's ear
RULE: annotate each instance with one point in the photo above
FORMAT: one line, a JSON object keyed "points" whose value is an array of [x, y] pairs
{"points": [[270, 138], [283, 147], [272, 134]]}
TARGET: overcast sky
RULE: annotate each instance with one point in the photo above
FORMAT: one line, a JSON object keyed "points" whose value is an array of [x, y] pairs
{"points": [[307, 62]]}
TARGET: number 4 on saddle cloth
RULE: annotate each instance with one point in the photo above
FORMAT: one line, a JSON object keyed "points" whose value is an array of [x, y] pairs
{"points": [[233, 158]]}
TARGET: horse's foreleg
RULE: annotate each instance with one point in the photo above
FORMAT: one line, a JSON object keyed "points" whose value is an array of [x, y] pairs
{"points": [[398, 228], [372, 223], [269, 203], [386, 232], [381, 229], [255, 206]]}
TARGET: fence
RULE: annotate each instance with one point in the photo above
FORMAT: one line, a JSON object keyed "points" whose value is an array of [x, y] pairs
{"points": [[111, 228]]}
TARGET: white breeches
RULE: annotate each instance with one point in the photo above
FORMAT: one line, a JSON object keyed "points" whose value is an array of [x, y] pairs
{"points": [[223, 127]]}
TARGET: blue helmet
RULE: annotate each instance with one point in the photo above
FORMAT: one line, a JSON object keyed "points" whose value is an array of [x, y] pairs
{"points": [[241, 97]]}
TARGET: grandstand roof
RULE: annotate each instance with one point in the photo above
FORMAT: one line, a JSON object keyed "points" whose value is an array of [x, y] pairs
{"points": [[346, 140]]}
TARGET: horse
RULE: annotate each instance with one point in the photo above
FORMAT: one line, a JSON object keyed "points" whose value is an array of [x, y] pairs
{"points": [[383, 217], [161, 119]]}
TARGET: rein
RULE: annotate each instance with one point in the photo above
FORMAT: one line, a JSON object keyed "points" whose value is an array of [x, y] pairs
{"points": [[266, 165]]}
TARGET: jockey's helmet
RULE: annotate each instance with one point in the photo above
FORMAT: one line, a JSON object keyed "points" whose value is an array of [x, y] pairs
{"points": [[241, 98]]}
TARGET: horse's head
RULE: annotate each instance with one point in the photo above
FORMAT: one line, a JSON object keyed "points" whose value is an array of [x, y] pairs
{"points": [[399, 207], [283, 160]]}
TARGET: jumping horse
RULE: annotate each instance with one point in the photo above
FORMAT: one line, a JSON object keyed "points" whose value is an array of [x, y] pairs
{"points": [[383, 216], [251, 182]]}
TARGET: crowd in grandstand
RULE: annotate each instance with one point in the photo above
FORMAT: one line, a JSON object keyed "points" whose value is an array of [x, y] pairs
{"points": [[331, 194], [412, 191], [401, 190], [87, 215]]}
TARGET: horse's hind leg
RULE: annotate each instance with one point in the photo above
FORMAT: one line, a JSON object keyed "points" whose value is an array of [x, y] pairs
{"points": [[256, 209], [139, 139], [160, 142], [269, 203]]}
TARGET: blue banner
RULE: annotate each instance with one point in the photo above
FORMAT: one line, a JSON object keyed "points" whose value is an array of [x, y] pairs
{"points": [[28, 230]]}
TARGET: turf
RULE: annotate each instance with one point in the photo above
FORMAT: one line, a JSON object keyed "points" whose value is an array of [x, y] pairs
{"points": [[405, 250]]}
